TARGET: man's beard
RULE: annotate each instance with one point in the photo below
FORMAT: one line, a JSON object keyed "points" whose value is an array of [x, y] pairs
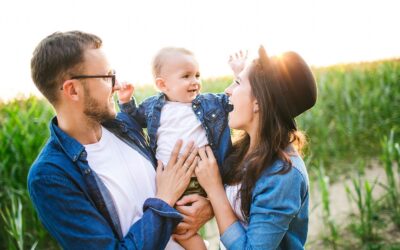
{"points": [[96, 111]]}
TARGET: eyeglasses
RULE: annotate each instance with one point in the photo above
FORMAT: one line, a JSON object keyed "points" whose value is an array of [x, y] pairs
{"points": [[107, 78]]}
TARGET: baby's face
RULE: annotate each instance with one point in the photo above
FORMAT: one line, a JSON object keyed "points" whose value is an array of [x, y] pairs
{"points": [[181, 77]]}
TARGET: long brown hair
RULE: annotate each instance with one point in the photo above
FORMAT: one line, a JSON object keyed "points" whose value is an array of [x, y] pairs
{"points": [[276, 131]]}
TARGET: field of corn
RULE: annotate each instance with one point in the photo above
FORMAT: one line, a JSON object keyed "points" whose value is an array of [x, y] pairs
{"points": [[355, 126]]}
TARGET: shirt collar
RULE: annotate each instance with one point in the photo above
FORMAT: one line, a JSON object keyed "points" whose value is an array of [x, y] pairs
{"points": [[162, 98], [72, 148]]}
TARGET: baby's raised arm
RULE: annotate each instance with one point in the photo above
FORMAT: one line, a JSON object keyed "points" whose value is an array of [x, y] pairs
{"points": [[237, 61], [126, 92]]}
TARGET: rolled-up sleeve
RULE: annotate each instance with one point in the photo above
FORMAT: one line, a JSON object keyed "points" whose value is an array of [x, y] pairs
{"points": [[276, 200]]}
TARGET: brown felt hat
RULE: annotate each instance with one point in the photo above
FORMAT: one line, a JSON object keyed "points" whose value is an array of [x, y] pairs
{"points": [[291, 83]]}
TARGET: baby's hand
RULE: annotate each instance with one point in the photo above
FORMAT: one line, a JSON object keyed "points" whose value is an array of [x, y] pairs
{"points": [[125, 92], [238, 61]]}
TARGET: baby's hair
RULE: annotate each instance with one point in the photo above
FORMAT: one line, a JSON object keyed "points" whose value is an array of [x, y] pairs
{"points": [[163, 54]]}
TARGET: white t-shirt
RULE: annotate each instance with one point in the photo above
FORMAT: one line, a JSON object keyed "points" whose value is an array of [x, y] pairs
{"points": [[178, 121], [232, 194], [128, 176]]}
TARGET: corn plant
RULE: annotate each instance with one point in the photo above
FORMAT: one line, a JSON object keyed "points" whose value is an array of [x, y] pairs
{"points": [[23, 131], [364, 225], [356, 104], [14, 224], [332, 236], [390, 156]]}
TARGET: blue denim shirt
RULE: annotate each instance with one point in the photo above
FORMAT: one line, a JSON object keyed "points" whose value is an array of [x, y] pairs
{"points": [[211, 110], [278, 216], [76, 207]]}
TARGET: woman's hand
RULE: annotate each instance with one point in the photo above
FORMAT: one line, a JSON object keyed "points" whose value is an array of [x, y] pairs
{"points": [[208, 175], [237, 62], [174, 179], [207, 171], [125, 92]]}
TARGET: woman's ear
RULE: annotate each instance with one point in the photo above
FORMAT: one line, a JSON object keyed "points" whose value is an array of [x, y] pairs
{"points": [[255, 106], [160, 83], [70, 90]]}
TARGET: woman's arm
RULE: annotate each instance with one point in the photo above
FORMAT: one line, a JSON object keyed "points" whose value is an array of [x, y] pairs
{"points": [[209, 177], [277, 199]]}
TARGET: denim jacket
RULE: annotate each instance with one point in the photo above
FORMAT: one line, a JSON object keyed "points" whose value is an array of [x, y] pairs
{"points": [[211, 110], [278, 216], [76, 207]]}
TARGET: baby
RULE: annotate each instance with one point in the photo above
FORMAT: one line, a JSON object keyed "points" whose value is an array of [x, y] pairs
{"points": [[179, 111]]}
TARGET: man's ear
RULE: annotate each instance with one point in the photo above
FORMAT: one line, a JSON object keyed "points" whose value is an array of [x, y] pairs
{"points": [[70, 90], [160, 83]]}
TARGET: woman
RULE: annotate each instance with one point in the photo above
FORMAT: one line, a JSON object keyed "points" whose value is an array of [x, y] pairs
{"points": [[264, 204]]}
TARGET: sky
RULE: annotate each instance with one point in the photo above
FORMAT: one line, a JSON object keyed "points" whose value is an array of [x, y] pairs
{"points": [[324, 32]]}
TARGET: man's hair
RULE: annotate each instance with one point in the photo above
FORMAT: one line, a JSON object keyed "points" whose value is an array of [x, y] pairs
{"points": [[163, 55], [57, 58]]}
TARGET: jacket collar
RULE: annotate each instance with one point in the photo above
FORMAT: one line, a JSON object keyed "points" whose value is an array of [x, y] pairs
{"points": [[197, 100], [72, 148], [162, 99], [70, 145]]}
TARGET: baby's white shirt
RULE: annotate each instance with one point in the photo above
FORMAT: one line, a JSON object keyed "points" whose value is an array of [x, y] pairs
{"points": [[178, 121]]}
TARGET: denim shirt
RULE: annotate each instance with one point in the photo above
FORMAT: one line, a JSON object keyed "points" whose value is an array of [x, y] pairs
{"points": [[211, 110], [76, 207], [278, 216]]}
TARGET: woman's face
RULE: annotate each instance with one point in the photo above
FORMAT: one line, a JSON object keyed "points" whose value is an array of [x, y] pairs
{"points": [[245, 106]]}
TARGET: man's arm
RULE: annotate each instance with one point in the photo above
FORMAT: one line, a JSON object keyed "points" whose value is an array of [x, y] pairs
{"points": [[73, 220]]}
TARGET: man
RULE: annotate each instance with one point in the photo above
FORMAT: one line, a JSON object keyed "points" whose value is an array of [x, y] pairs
{"points": [[93, 185]]}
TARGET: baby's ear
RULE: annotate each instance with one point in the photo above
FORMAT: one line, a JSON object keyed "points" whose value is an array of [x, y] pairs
{"points": [[160, 83]]}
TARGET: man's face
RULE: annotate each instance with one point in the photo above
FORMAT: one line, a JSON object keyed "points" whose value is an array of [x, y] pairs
{"points": [[98, 102], [181, 78]]}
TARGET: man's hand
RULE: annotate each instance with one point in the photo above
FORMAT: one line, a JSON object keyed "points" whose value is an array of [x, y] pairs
{"points": [[125, 92], [172, 180], [196, 211]]}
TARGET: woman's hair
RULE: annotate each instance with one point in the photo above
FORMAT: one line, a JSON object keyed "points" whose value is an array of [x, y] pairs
{"points": [[276, 130]]}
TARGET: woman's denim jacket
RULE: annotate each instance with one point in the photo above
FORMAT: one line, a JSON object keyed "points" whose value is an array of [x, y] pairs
{"points": [[211, 110], [76, 207], [278, 213]]}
